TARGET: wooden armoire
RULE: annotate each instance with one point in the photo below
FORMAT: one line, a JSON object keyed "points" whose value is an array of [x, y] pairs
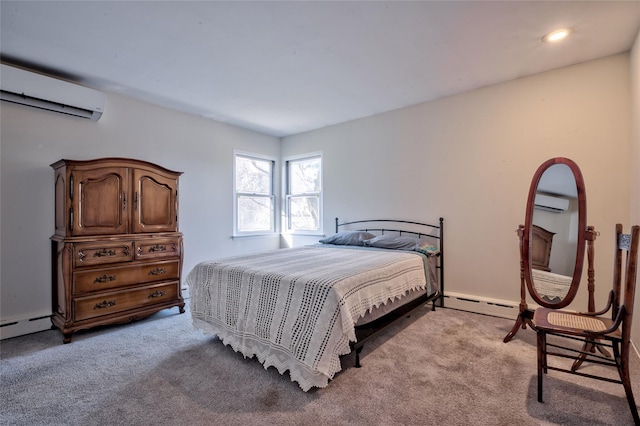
{"points": [[541, 242], [116, 251]]}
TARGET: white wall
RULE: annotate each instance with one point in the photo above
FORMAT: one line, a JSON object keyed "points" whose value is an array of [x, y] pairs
{"points": [[634, 190], [32, 139], [471, 157]]}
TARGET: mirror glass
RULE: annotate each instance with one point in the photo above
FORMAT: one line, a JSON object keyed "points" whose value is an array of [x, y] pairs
{"points": [[554, 233]]}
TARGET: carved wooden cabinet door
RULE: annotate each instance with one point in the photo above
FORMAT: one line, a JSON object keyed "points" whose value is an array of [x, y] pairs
{"points": [[99, 200], [155, 202], [541, 241]]}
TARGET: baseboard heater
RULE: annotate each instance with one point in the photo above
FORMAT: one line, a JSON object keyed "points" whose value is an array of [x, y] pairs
{"points": [[20, 327], [482, 305]]}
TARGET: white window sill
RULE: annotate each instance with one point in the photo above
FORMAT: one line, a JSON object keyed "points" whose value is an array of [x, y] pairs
{"points": [[240, 237]]}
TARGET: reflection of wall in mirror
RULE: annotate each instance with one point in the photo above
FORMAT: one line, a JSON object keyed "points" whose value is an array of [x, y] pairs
{"points": [[565, 227]]}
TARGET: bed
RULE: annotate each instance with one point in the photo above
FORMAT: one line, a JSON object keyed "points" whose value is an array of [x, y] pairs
{"points": [[301, 309], [550, 286]]}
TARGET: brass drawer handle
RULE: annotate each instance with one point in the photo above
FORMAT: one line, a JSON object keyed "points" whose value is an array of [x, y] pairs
{"points": [[157, 271], [105, 304], [104, 279], [156, 248], [156, 293], [105, 252]]}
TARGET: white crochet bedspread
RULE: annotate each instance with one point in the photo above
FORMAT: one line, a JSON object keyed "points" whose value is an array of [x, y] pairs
{"points": [[550, 284], [295, 309]]}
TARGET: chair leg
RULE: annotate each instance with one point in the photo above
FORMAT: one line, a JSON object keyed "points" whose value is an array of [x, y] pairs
{"points": [[544, 353], [623, 369], [542, 362]]}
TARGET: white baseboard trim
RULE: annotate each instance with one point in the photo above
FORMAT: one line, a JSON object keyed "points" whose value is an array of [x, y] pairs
{"points": [[482, 305], [494, 307], [20, 327], [463, 302]]}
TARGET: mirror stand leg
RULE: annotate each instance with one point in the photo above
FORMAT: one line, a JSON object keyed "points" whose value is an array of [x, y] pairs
{"points": [[589, 346], [525, 315], [586, 348], [519, 323], [524, 318], [603, 351]]}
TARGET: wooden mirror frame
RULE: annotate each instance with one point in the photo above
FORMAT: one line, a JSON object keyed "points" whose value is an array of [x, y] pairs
{"points": [[586, 236], [581, 238]]}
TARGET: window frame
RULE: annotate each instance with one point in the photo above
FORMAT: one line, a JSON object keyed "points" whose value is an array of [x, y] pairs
{"points": [[286, 199], [237, 195]]}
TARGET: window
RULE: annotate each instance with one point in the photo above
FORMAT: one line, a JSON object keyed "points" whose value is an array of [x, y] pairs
{"points": [[254, 197], [304, 194]]}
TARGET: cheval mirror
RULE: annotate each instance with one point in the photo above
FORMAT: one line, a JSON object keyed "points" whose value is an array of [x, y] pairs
{"points": [[553, 240]]}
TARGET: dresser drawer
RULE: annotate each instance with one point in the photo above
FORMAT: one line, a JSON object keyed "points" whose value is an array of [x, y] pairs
{"points": [[111, 278], [100, 253], [110, 303], [157, 248]]}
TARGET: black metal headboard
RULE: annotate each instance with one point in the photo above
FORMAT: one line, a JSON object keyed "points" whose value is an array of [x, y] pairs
{"points": [[419, 229]]}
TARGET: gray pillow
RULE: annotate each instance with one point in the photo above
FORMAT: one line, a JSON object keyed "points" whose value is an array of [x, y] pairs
{"points": [[401, 242], [348, 238], [396, 242]]}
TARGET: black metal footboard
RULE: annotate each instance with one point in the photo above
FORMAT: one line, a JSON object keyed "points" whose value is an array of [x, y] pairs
{"points": [[366, 332]]}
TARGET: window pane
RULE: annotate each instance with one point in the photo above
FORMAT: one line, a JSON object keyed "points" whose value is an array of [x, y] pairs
{"points": [[304, 176], [305, 213], [255, 213], [253, 175]]}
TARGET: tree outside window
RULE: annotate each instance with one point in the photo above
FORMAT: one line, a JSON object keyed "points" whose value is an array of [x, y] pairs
{"points": [[254, 194], [304, 194]]}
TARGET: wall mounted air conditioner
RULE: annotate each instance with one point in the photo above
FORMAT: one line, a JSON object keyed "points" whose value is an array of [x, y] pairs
{"points": [[39, 91], [551, 204]]}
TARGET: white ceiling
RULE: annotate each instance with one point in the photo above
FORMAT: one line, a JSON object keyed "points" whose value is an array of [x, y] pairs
{"points": [[287, 67]]}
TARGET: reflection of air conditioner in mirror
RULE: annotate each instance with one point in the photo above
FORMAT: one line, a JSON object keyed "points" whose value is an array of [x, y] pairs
{"points": [[39, 91], [551, 204]]}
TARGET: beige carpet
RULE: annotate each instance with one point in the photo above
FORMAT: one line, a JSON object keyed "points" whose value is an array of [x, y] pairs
{"points": [[445, 367]]}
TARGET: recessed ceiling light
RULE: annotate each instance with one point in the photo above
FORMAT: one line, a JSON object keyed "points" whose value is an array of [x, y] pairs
{"points": [[556, 35]]}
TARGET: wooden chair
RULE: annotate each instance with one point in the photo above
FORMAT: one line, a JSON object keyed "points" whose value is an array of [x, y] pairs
{"points": [[593, 328]]}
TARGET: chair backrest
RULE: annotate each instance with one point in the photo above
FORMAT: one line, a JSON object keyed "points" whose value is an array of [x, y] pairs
{"points": [[626, 243]]}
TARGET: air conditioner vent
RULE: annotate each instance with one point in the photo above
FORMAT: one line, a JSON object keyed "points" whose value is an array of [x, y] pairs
{"points": [[551, 204], [27, 88]]}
